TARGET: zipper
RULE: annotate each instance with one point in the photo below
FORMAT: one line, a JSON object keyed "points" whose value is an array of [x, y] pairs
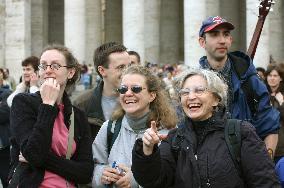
{"points": [[208, 180]]}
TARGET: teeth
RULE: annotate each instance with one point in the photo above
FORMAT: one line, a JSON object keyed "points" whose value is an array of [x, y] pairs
{"points": [[194, 105], [133, 101]]}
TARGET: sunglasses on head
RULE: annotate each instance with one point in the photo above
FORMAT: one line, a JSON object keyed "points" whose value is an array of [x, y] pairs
{"points": [[135, 89]]}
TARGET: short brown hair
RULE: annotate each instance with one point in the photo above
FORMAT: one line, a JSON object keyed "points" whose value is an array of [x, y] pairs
{"points": [[33, 61], [102, 53]]}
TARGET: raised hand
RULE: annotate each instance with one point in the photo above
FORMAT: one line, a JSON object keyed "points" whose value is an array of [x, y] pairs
{"points": [[49, 91], [34, 79], [150, 138]]}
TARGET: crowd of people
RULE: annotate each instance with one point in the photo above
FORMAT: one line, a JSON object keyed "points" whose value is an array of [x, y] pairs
{"points": [[136, 125]]}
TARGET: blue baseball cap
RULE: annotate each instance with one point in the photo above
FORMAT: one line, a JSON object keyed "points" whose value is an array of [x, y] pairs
{"points": [[211, 22]]}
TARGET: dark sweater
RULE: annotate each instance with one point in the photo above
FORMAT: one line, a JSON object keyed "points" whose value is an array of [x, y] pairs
{"points": [[31, 128]]}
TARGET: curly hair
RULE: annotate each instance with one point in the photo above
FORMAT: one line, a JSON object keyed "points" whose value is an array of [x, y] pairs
{"points": [[161, 109], [71, 62], [215, 83]]}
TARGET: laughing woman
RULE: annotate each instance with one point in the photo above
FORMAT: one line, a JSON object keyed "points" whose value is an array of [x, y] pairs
{"points": [[41, 124], [196, 154], [141, 100]]}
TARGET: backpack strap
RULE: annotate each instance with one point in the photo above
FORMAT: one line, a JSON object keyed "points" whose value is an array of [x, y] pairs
{"points": [[241, 66], [233, 141], [251, 96], [111, 136], [176, 143]]}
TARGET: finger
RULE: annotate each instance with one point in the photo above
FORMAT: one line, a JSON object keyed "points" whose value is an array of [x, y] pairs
{"points": [[121, 181], [146, 141], [124, 167], [153, 126], [153, 136]]}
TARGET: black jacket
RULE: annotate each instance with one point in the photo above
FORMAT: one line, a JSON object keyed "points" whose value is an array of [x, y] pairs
{"points": [[204, 159], [31, 128], [90, 103], [4, 118]]}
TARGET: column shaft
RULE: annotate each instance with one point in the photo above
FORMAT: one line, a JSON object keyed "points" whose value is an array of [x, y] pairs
{"points": [[18, 35], [133, 26], [194, 14], [74, 30], [152, 30]]}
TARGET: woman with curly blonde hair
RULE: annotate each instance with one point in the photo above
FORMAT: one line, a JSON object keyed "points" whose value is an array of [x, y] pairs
{"points": [[142, 102]]}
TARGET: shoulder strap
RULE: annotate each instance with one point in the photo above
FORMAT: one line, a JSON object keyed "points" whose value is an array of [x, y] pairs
{"points": [[233, 141], [111, 136], [240, 66], [70, 136], [176, 143], [251, 96]]}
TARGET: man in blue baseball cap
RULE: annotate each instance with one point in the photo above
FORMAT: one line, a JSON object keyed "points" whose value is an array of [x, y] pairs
{"points": [[248, 97]]}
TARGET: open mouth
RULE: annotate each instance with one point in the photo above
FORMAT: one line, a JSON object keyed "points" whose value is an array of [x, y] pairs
{"points": [[130, 101], [194, 106]]}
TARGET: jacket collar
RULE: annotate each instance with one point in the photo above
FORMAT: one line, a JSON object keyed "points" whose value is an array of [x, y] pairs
{"points": [[95, 109]]}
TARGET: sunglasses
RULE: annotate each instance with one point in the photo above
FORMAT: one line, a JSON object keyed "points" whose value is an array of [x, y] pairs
{"points": [[135, 89]]}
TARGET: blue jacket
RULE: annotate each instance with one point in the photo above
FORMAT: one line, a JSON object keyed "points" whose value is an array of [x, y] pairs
{"points": [[266, 119]]}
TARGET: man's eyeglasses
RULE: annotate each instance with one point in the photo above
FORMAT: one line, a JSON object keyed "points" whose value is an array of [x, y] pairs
{"points": [[53, 66], [135, 89], [196, 90]]}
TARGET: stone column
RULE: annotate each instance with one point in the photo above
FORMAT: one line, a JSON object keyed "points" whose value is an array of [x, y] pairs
{"points": [[18, 35], [194, 14], [276, 22], [56, 22], [234, 12], [261, 58], [170, 32], [152, 30], [74, 30], [113, 21], [133, 26], [39, 26], [93, 28], [213, 8], [2, 33]]}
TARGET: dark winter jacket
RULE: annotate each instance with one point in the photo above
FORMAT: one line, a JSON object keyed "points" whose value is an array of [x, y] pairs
{"points": [[266, 119], [90, 103], [31, 128], [204, 159], [4, 118]]}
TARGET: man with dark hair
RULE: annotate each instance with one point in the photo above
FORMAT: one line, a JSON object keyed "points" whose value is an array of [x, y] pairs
{"points": [[248, 98], [134, 58], [98, 103], [29, 80]]}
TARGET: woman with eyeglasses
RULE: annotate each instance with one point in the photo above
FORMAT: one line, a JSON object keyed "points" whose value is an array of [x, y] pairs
{"points": [[196, 153], [53, 136], [141, 101]]}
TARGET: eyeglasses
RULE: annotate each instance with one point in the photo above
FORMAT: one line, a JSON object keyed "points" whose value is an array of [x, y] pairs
{"points": [[135, 89], [196, 90], [54, 66]]}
